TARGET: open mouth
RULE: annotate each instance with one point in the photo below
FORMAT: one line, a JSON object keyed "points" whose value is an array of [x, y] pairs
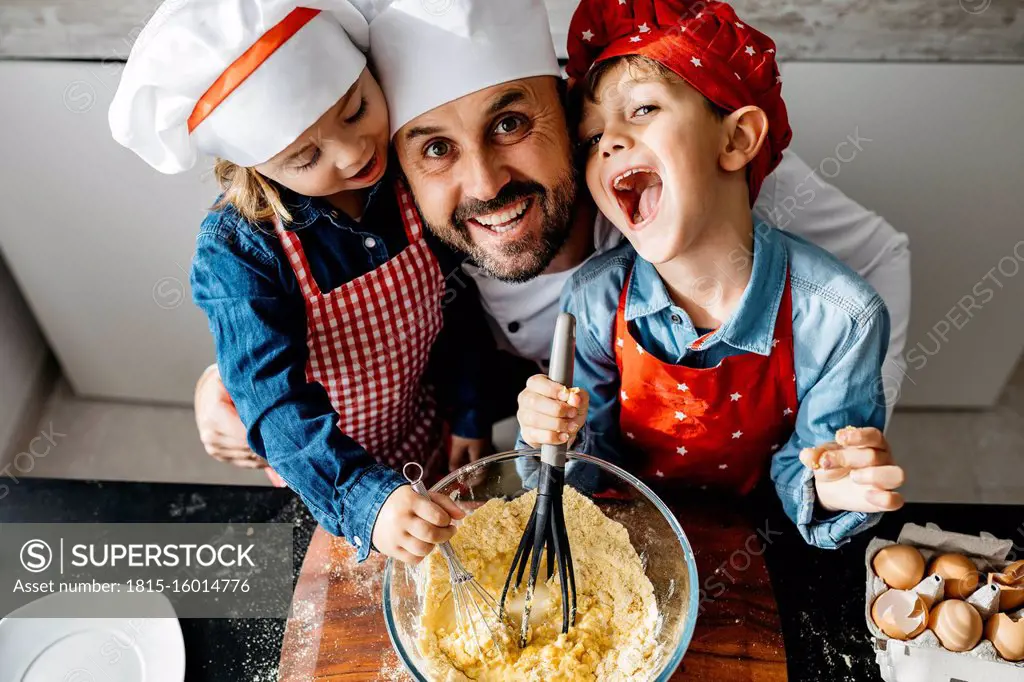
{"points": [[505, 220], [367, 171], [638, 191]]}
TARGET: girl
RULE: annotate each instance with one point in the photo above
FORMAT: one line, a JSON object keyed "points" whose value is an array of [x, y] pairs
{"points": [[322, 294], [711, 351]]}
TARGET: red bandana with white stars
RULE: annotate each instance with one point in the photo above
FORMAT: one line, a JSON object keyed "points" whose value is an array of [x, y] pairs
{"points": [[716, 427], [705, 43]]}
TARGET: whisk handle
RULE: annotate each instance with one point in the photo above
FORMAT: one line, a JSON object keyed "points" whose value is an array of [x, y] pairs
{"points": [[416, 481], [413, 473], [563, 353]]}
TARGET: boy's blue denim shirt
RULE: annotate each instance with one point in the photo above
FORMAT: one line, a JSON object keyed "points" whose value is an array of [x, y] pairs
{"points": [[840, 331], [243, 282]]}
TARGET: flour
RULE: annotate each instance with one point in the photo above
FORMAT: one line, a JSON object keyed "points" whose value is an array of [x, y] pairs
{"points": [[391, 669], [614, 636]]}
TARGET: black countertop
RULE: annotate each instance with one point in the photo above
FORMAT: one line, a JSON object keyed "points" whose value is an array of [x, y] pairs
{"points": [[820, 593], [216, 650]]}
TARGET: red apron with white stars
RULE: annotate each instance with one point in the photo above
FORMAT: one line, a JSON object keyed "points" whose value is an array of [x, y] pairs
{"points": [[712, 427], [369, 341]]}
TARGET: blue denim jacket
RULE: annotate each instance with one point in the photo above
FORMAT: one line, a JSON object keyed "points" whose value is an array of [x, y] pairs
{"points": [[243, 282], [840, 330]]}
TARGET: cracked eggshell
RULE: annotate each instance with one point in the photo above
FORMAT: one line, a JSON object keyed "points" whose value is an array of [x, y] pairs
{"points": [[986, 600], [1007, 635], [900, 614], [957, 624], [899, 566], [960, 573], [1011, 586], [931, 590], [988, 554]]}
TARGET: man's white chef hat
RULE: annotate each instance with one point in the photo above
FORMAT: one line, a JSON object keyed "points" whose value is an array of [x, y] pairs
{"points": [[431, 52], [237, 79]]}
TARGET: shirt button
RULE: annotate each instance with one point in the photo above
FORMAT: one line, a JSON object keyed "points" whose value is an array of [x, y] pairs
{"points": [[513, 327], [676, 319], [370, 242], [357, 541]]}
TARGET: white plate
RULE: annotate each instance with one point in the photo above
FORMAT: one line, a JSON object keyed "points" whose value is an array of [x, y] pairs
{"points": [[92, 649]]}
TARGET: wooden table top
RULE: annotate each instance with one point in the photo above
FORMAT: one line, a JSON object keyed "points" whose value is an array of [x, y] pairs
{"points": [[336, 630]]}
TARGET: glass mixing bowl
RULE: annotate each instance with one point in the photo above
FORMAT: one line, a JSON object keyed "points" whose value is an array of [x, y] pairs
{"points": [[653, 530]]}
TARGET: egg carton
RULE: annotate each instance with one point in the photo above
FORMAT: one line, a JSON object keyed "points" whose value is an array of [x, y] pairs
{"points": [[923, 659]]}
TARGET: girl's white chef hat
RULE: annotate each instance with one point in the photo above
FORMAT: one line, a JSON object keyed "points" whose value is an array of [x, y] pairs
{"points": [[431, 52], [237, 79]]}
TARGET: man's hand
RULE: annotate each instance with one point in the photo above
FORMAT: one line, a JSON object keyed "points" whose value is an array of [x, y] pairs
{"points": [[409, 525], [465, 450], [855, 473], [220, 429], [549, 413]]}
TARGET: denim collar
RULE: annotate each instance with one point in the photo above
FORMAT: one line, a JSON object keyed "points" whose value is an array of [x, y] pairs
{"points": [[752, 326], [307, 210]]}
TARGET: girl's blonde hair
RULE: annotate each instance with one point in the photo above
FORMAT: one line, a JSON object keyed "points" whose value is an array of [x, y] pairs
{"points": [[255, 197]]}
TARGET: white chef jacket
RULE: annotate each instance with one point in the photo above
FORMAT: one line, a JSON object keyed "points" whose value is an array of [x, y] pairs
{"points": [[522, 315], [793, 198]]}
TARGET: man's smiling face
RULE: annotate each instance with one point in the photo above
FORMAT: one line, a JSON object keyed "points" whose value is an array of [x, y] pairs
{"points": [[492, 174]]}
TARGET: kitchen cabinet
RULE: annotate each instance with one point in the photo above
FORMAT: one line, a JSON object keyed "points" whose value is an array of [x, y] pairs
{"points": [[100, 243], [22, 359], [943, 165]]}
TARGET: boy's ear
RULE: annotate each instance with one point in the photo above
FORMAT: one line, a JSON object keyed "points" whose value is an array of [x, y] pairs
{"points": [[745, 131]]}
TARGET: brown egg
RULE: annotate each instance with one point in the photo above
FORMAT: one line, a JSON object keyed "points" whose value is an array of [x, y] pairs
{"points": [[1011, 586], [957, 624], [959, 572], [899, 566], [900, 614], [1007, 635]]}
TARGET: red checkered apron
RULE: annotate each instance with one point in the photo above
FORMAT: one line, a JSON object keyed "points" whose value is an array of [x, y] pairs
{"points": [[717, 426], [369, 341]]}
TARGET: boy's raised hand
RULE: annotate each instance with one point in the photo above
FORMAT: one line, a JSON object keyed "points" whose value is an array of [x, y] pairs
{"points": [[409, 525], [549, 413], [856, 472]]}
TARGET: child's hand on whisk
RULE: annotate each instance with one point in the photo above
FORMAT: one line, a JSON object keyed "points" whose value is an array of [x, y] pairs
{"points": [[409, 525], [549, 413]]}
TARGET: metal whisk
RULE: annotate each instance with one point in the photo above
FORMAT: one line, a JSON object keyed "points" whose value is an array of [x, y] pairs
{"points": [[476, 611], [546, 527]]}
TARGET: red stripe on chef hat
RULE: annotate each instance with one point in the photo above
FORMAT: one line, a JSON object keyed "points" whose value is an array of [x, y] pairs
{"points": [[248, 62], [704, 43]]}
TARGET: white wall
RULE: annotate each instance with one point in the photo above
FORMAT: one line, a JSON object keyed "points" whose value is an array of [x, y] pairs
{"points": [[22, 356]]}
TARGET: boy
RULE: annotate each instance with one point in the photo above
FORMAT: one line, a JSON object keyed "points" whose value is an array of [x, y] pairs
{"points": [[709, 350]]}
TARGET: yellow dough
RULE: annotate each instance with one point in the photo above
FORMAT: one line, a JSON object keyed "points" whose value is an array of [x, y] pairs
{"points": [[614, 636]]}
